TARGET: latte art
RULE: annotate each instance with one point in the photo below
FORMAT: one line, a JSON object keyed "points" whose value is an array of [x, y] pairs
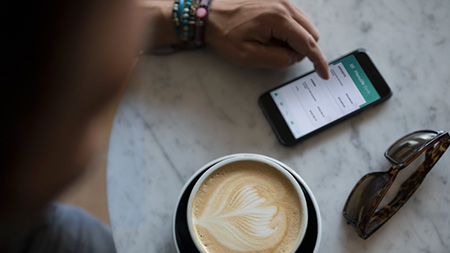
{"points": [[243, 220], [246, 206]]}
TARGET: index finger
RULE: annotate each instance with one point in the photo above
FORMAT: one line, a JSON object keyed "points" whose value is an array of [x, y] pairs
{"points": [[303, 19], [303, 42]]}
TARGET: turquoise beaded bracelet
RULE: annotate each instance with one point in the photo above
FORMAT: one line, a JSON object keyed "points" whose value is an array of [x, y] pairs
{"points": [[189, 17]]}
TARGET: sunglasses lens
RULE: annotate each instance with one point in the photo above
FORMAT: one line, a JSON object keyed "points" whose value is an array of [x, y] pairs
{"points": [[406, 147], [364, 195]]}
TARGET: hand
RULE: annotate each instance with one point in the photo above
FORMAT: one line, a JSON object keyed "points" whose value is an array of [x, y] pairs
{"points": [[263, 34]]}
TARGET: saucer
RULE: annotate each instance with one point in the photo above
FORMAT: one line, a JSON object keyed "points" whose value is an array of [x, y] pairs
{"points": [[184, 243]]}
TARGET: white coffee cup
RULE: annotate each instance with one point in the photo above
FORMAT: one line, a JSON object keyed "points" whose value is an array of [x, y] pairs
{"points": [[282, 172]]}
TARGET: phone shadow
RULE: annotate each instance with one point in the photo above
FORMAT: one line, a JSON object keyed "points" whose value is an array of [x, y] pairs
{"points": [[200, 95]]}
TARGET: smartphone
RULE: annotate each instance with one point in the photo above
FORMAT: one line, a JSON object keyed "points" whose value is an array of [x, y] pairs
{"points": [[308, 104]]}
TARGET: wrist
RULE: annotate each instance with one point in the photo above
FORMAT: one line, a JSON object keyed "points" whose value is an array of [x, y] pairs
{"points": [[158, 18], [209, 26], [212, 24]]}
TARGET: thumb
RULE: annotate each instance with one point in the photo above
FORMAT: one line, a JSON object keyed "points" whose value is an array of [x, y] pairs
{"points": [[273, 56]]}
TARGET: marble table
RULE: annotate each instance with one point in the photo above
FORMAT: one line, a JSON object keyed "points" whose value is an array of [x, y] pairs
{"points": [[189, 108]]}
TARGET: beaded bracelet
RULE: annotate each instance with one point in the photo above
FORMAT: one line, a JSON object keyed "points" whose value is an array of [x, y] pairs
{"points": [[176, 13], [189, 17], [201, 14]]}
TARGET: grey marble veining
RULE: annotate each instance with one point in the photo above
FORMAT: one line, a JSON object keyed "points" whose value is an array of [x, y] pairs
{"points": [[186, 109]]}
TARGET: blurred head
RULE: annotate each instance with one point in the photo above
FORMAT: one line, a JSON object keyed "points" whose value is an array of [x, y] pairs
{"points": [[65, 61]]}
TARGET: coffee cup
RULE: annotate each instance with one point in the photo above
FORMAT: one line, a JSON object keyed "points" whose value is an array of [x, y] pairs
{"points": [[247, 203]]}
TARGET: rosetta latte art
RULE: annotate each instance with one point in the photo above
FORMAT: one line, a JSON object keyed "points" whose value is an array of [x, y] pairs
{"points": [[243, 216]]}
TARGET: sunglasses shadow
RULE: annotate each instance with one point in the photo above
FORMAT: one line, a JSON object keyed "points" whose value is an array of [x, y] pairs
{"points": [[351, 242]]}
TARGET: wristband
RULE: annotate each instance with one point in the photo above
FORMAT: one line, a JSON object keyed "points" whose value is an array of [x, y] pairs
{"points": [[201, 15], [176, 14], [189, 17]]}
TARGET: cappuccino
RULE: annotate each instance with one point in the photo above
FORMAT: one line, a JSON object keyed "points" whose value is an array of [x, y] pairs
{"points": [[247, 206]]}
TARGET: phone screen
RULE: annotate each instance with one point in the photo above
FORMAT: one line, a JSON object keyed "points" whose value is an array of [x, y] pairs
{"points": [[310, 102]]}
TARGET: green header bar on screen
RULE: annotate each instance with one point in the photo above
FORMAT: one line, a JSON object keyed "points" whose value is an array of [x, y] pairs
{"points": [[361, 80]]}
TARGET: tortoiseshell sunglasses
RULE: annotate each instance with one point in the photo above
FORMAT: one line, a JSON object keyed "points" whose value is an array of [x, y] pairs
{"points": [[362, 208]]}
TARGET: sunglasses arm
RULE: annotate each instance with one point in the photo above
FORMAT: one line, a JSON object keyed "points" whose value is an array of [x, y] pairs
{"points": [[407, 189]]}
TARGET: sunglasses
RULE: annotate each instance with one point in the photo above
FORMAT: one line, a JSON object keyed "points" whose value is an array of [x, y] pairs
{"points": [[362, 208]]}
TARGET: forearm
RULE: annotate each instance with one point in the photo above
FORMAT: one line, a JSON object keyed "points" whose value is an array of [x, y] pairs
{"points": [[251, 33], [159, 30]]}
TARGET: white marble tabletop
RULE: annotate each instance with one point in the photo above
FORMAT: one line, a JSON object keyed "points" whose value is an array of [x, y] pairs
{"points": [[186, 109]]}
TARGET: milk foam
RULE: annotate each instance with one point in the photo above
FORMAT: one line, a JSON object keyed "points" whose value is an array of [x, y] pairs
{"points": [[246, 206]]}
